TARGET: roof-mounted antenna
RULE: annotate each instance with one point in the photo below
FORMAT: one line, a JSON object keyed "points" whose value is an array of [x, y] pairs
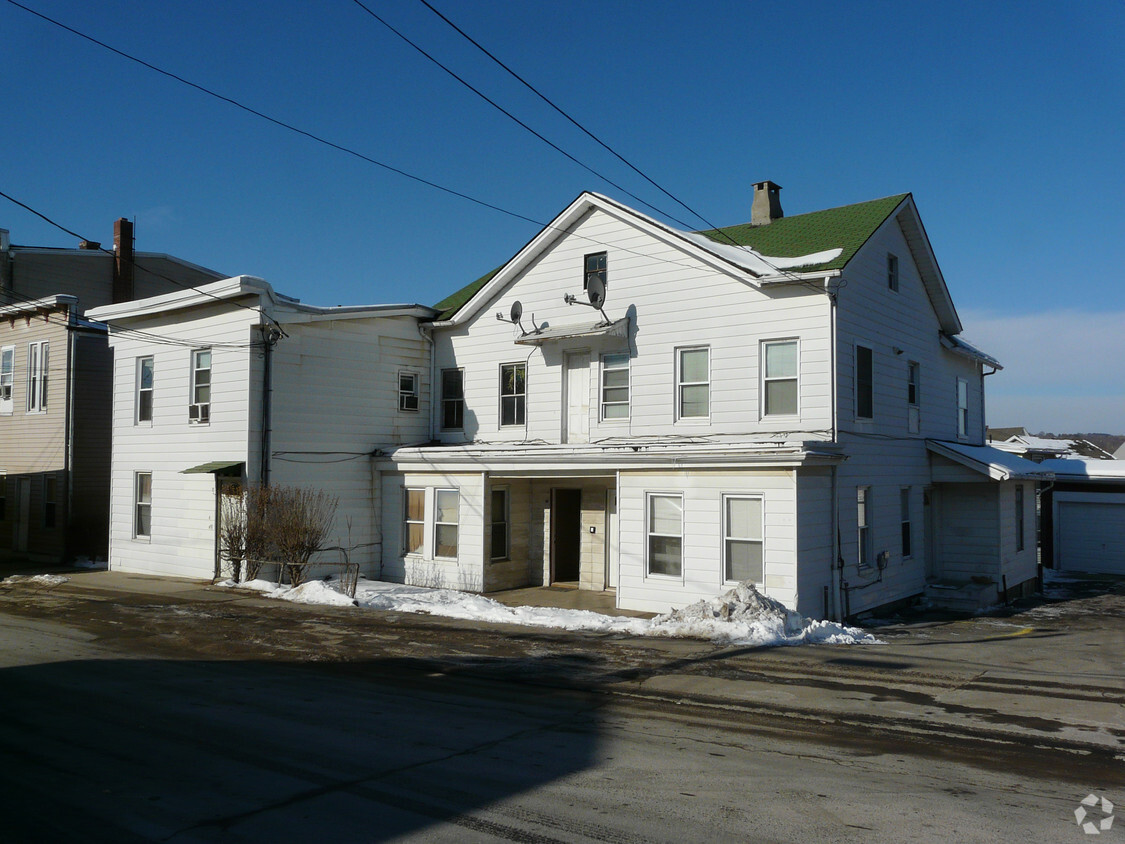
{"points": [[595, 292], [514, 316]]}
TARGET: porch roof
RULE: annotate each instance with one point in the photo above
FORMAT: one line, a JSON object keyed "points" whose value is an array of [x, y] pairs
{"points": [[606, 457], [1002, 465], [616, 328]]}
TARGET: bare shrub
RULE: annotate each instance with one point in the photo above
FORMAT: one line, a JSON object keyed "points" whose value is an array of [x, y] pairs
{"points": [[300, 521], [232, 532], [258, 543]]}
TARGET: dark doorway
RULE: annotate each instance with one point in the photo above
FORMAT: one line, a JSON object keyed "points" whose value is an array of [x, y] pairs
{"points": [[566, 534]]}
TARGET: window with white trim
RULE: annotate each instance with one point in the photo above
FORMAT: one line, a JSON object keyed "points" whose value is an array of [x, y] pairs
{"points": [[742, 538], [452, 399], [50, 491], [1019, 518], [892, 271], [446, 519], [142, 504], [864, 383], [38, 365], [913, 407], [7, 377], [780, 372], [665, 534], [408, 391], [143, 400], [499, 518], [693, 383], [513, 393], [200, 408], [615, 387], [863, 525], [962, 408], [904, 507], [413, 520], [595, 267]]}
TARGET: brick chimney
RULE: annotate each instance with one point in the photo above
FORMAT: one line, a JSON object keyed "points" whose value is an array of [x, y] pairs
{"points": [[767, 204], [123, 261]]}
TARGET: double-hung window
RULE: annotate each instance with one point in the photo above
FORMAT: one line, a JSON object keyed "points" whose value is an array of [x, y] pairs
{"points": [[780, 370], [742, 538], [693, 383], [892, 271], [595, 269], [513, 393], [408, 391], [665, 534], [413, 520], [7, 377], [144, 389], [38, 365], [446, 518], [50, 493], [863, 525], [913, 383], [962, 408], [452, 399], [904, 506], [615, 387], [500, 523], [200, 408], [864, 383], [142, 504]]}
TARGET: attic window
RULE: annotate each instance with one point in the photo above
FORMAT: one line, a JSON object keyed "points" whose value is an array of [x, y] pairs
{"points": [[595, 268], [892, 272]]}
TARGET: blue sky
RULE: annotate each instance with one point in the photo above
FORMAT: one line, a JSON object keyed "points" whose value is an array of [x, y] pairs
{"points": [[1005, 120]]}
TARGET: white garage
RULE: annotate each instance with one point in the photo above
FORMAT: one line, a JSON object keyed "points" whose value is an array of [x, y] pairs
{"points": [[1090, 532]]}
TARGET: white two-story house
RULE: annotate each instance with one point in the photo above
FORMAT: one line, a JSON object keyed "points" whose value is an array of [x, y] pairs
{"points": [[232, 384], [626, 406]]}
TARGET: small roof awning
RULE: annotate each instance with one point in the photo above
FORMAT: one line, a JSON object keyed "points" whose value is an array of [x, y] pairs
{"points": [[225, 468], [617, 328]]}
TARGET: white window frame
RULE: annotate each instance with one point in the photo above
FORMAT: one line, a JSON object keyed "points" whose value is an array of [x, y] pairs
{"points": [[892, 272], [203, 416], [650, 535], [607, 403], [519, 400], [871, 381], [913, 397], [439, 524], [450, 401], [139, 390], [407, 522], [962, 408], [139, 502], [907, 527], [503, 523], [601, 272], [410, 395], [728, 538], [766, 345], [681, 384], [38, 369], [863, 526], [7, 378]]}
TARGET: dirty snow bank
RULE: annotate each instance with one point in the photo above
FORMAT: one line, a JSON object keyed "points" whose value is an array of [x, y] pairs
{"points": [[742, 616], [37, 579]]}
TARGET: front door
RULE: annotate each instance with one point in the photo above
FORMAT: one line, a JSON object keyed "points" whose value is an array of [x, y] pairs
{"points": [[23, 526], [576, 401], [566, 534]]}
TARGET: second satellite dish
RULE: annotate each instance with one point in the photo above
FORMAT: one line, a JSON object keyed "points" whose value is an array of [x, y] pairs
{"points": [[517, 311], [595, 289]]}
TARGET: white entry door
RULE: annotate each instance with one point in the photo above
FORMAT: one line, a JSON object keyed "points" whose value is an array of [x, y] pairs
{"points": [[576, 401]]}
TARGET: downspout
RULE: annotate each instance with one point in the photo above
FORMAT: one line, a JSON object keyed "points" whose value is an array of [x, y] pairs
{"points": [[428, 337], [68, 430], [983, 424], [270, 335], [836, 569]]}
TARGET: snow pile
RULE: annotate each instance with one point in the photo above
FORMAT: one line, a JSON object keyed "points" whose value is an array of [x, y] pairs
{"points": [[37, 579], [744, 616]]}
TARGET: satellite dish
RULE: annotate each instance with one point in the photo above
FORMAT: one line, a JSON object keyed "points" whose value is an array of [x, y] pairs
{"points": [[595, 289], [517, 311]]}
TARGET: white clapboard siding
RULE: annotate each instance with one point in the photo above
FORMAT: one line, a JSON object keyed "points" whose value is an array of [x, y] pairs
{"points": [[673, 300]]}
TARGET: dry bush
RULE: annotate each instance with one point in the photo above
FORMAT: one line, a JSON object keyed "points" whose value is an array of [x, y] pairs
{"points": [[232, 532], [259, 530], [301, 521]]}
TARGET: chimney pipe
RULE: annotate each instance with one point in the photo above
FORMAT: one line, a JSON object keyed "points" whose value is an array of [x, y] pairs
{"points": [[767, 204], [123, 261], [5, 260]]}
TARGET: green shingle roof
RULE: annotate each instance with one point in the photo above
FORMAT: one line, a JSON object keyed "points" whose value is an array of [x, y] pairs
{"points": [[847, 228]]}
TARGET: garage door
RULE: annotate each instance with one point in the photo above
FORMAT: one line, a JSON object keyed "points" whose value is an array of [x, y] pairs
{"points": [[1091, 536]]}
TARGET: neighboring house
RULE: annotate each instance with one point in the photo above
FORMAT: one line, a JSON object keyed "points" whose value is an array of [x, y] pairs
{"points": [[55, 372], [1120, 453], [1037, 449], [724, 416], [234, 382]]}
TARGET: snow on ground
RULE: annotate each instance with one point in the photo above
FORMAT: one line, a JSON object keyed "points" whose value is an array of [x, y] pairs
{"points": [[742, 616], [37, 579]]}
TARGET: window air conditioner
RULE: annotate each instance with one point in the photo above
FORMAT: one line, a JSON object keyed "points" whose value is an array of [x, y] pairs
{"points": [[199, 412]]}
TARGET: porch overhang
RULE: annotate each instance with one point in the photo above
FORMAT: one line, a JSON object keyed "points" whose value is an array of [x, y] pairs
{"points": [[996, 464], [615, 328], [222, 468]]}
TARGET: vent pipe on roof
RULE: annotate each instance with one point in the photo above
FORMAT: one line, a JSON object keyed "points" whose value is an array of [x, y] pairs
{"points": [[123, 261], [767, 204]]}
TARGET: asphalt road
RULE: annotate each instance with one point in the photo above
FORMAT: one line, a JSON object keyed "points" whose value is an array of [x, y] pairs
{"points": [[151, 719]]}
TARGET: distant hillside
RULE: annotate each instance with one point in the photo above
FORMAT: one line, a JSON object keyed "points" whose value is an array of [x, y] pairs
{"points": [[1109, 442]]}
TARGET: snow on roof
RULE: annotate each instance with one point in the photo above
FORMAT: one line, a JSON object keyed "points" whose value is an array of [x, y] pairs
{"points": [[1002, 465], [757, 263], [962, 347], [1076, 468]]}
